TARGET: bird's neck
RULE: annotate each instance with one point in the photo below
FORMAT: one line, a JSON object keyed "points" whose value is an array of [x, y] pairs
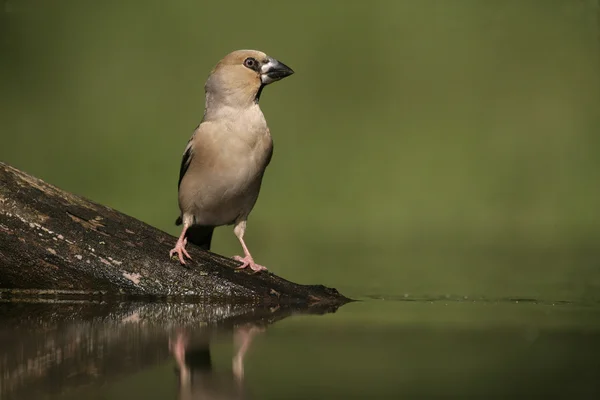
{"points": [[230, 107]]}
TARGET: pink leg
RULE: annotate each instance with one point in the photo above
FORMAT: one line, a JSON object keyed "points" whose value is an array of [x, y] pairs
{"points": [[177, 348], [179, 248], [247, 260], [242, 338]]}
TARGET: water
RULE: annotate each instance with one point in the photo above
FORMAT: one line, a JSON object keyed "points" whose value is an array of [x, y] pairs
{"points": [[375, 348], [443, 155]]}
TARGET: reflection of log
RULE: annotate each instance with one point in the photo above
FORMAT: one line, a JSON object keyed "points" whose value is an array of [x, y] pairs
{"points": [[48, 348], [56, 243]]}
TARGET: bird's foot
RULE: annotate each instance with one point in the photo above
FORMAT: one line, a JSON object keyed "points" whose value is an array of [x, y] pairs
{"points": [[177, 346], [180, 250], [249, 262], [242, 339]]}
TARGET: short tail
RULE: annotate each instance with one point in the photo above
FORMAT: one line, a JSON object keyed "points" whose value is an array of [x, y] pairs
{"points": [[200, 235]]}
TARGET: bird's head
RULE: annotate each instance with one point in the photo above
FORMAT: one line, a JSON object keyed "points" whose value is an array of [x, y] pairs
{"points": [[240, 77]]}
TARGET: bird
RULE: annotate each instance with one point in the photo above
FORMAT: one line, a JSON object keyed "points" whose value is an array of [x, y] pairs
{"points": [[225, 159]]}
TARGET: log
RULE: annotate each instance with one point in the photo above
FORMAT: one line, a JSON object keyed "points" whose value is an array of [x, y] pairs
{"points": [[54, 243]]}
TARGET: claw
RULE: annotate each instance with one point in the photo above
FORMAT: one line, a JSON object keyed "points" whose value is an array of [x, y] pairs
{"points": [[180, 250], [249, 262]]}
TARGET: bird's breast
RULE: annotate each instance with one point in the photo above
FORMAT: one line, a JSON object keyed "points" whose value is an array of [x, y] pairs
{"points": [[231, 157], [242, 159]]}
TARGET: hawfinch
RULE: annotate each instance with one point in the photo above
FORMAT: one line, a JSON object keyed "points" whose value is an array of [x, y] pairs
{"points": [[225, 159]]}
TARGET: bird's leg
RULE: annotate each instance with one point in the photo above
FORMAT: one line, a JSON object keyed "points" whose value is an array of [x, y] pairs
{"points": [[177, 347], [179, 248], [242, 339], [247, 260]]}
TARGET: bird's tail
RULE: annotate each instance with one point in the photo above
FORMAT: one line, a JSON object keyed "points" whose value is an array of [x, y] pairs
{"points": [[200, 235]]}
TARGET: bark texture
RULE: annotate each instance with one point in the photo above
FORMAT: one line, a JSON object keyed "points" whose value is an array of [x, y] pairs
{"points": [[54, 243]]}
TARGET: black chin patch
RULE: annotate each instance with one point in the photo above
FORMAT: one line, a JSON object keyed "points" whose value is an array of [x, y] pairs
{"points": [[257, 97]]}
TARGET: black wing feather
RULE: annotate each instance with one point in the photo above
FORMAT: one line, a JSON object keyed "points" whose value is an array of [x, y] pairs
{"points": [[185, 163], [187, 157], [270, 155]]}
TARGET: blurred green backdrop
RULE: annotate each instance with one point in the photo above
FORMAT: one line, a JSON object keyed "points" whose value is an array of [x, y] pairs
{"points": [[421, 148]]}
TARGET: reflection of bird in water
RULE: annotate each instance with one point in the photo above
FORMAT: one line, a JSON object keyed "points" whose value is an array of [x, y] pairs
{"points": [[198, 380]]}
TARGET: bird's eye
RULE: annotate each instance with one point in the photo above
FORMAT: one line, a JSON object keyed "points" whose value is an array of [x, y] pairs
{"points": [[250, 63]]}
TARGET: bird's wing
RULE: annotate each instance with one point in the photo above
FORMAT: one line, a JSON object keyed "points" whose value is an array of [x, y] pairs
{"points": [[270, 154], [187, 157]]}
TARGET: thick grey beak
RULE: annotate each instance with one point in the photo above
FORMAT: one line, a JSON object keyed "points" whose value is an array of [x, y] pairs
{"points": [[273, 71]]}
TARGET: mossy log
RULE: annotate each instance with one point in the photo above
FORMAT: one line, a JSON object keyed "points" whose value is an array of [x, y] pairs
{"points": [[55, 243]]}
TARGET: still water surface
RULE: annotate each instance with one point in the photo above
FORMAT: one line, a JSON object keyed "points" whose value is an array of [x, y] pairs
{"points": [[376, 348]]}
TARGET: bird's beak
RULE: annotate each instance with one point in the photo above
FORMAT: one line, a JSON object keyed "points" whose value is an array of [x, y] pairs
{"points": [[273, 71]]}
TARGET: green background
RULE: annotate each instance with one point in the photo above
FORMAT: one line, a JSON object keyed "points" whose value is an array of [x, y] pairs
{"points": [[423, 148]]}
